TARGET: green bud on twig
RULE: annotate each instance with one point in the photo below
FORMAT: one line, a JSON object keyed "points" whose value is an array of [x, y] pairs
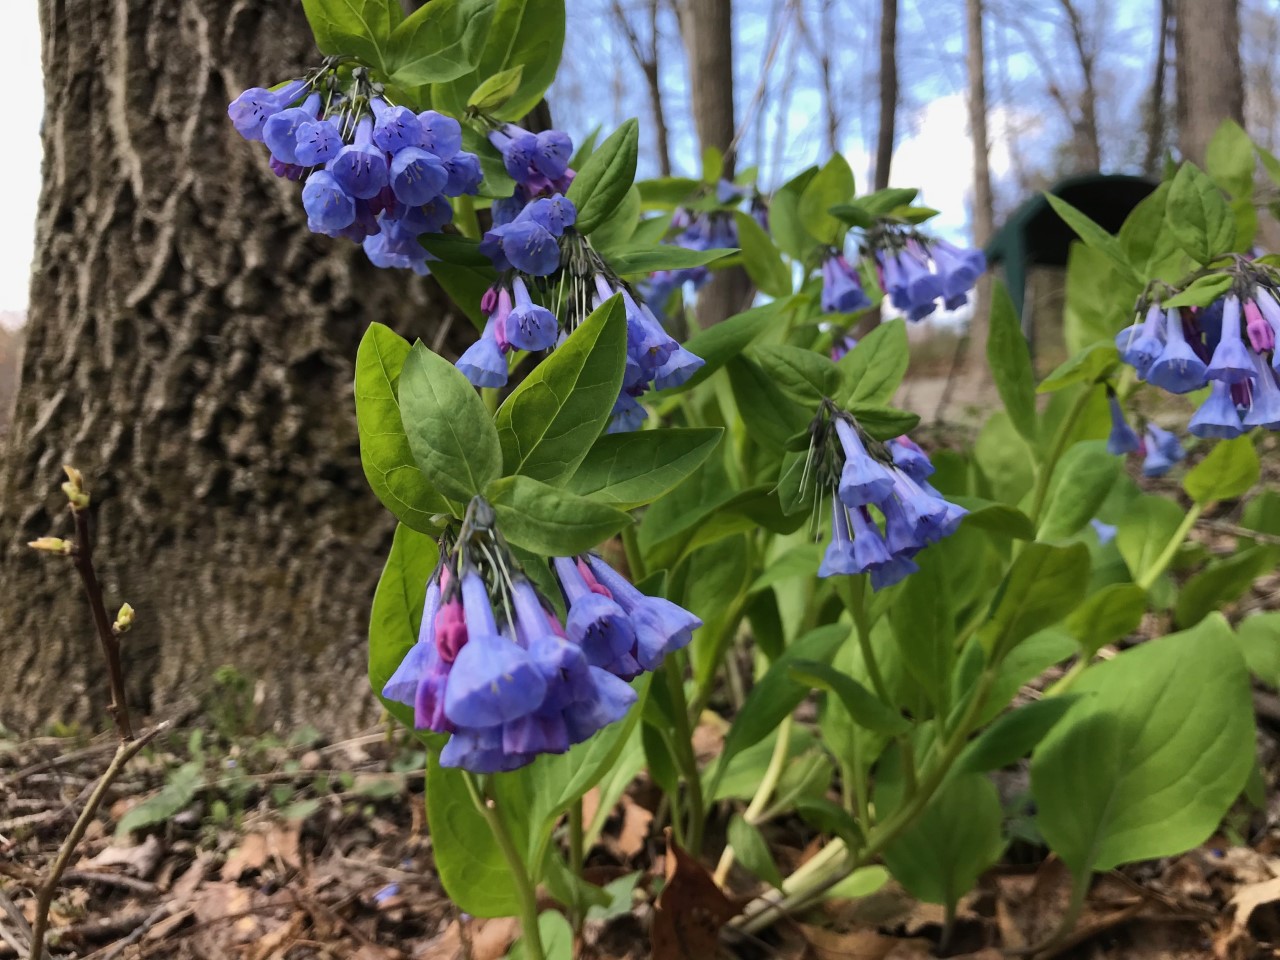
{"points": [[52, 545], [124, 620], [74, 489]]}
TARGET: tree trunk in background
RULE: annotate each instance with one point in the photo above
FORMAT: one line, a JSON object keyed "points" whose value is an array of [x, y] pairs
{"points": [[646, 56], [888, 90], [707, 28], [190, 348], [1209, 80], [1155, 115], [983, 212]]}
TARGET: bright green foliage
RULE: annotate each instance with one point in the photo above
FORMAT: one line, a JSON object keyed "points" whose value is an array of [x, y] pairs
{"points": [[396, 613], [606, 177]]}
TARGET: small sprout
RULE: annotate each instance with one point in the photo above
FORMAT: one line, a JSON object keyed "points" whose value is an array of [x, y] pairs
{"points": [[74, 489], [52, 545], [124, 620]]}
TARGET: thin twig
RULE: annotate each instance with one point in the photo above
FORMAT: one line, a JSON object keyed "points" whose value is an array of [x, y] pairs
{"points": [[1224, 526], [20, 923], [127, 750]]}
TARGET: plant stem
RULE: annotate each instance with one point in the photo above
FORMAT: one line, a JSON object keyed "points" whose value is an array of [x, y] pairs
{"points": [[1055, 453], [527, 896], [760, 800], [125, 752], [684, 756], [577, 853], [854, 593], [83, 558], [1152, 573], [635, 559], [465, 217]]}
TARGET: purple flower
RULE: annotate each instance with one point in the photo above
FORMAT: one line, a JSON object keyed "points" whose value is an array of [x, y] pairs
{"points": [[361, 168], [464, 173], [627, 415], [1142, 343], [317, 142], [1122, 439], [1264, 406], [493, 680], [396, 128], [529, 326], [1162, 451], [841, 290], [1231, 361], [440, 134], [959, 269], [895, 571], [678, 368], [910, 459], [480, 751], [430, 217], [328, 206], [863, 479], [551, 153], [553, 214], [839, 557], [1270, 309], [417, 177], [1217, 417], [1177, 369], [1262, 335], [528, 246], [483, 363], [250, 111], [660, 625], [1105, 531], [597, 623], [518, 148], [280, 132]]}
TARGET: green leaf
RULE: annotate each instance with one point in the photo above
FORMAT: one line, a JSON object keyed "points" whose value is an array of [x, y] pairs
{"points": [[1201, 292], [1149, 243], [777, 693], [628, 470], [497, 90], [924, 628], [802, 374], [1151, 757], [467, 858], [1044, 584], [955, 839], [875, 367], [667, 193], [1107, 615], [396, 613], [1090, 365], [555, 934], [1198, 215], [996, 517], [865, 707], [1259, 638], [614, 234], [604, 180], [1229, 470], [854, 214], [525, 33], [180, 788], [1081, 482], [551, 522], [1014, 735], [761, 258], [752, 851], [832, 185], [771, 415], [466, 287], [885, 201], [1230, 160], [450, 433], [1222, 582], [665, 256], [551, 420], [1143, 530], [384, 449], [432, 45], [1092, 235], [358, 28], [883, 423], [719, 344], [1010, 361]]}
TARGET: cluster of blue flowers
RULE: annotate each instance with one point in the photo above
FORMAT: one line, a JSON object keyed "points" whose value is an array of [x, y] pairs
{"points": [[1228, 346], [375, 173], [496, 669], [917, 273], [884, 510], [1159, 448]]}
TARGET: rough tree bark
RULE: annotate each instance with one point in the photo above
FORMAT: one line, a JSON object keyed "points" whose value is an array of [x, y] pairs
{"points": [[707, 29], [888, 90], [1156, 108], [1208, 76], [189, 347]]}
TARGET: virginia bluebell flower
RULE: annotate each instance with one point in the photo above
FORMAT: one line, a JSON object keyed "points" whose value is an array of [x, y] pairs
{"points": [[596, 622], [1231, 359], [1217, 417], [1105, 531], [1122, 439], [417, 177], [1264, 397], [395, 128], [529, 326], [661, 626], [1177, 369], [1162, 450], [361, 168], [329, 207], [250, 111], [841, 289], [1140, 344], [280, 132]]}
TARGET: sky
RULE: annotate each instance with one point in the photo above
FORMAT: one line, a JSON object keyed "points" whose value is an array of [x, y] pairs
{"points": [[20, 160]]}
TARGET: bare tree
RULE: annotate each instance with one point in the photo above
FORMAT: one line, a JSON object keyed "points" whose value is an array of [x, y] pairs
{"points": [[983, 212], [646, 56], [888, 90], [1155, 109], [820, 48], [1209, 80]]}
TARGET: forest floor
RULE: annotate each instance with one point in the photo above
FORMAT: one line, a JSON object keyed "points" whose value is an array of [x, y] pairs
{"points": [[213, 846]]}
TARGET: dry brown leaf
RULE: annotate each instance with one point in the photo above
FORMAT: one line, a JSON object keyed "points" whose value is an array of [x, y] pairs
{"points": [[140, 860], [635, 829], [690, 911], [708, 736], [827, 944], [279, 843], [491, 939], [282, 936], [1258, 899], [447, 946]]}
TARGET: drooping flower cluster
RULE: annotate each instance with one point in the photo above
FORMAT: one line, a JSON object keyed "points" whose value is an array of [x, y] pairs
{"points": [[1228, 346], [884, 510], [374, 173], [496, 669], [714, 230], [917, 272], [1159, 448], [841, 287]]}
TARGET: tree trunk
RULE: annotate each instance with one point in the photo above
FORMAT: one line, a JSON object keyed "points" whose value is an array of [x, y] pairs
{"points": [[707, 26], [983, 213], [190, 348], [1209, 81], [1155, 118], [888, 90]]}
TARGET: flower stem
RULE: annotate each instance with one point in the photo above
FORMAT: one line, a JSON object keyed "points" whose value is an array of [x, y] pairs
{"points": [[682, 736], [1055, 453], [760, 800], [1152, 573], [524, 885], [853, 591]]}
